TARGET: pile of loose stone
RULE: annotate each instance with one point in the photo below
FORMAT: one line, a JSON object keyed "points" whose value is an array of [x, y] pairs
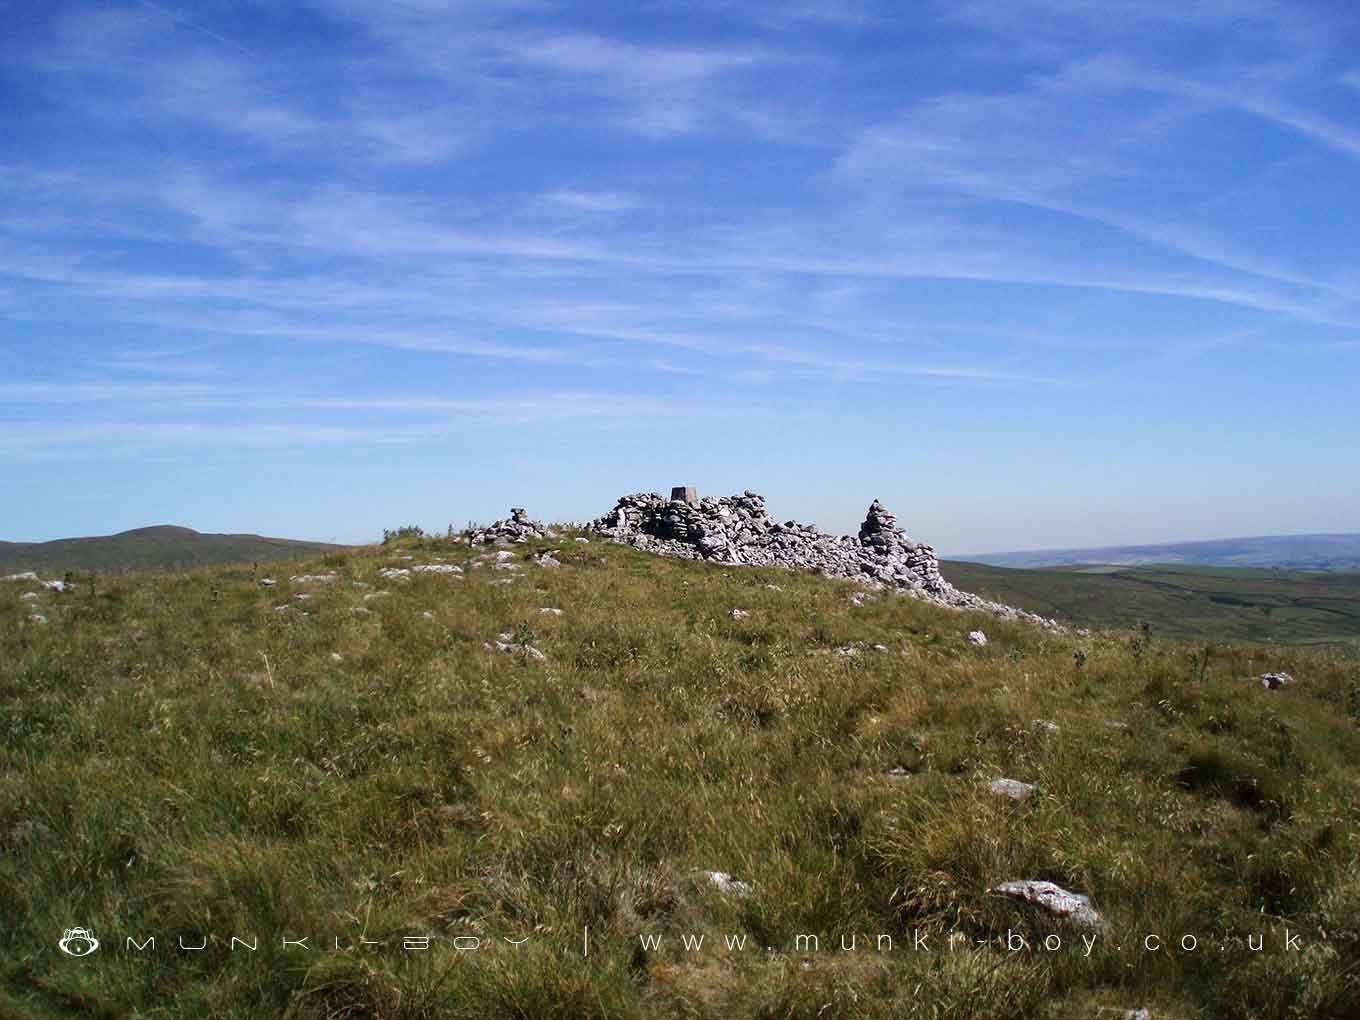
{"points": [[738, 530], [515, 529]]}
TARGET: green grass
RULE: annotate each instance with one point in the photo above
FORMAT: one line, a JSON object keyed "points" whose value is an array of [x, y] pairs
{"points": [[1214, 603], [178, 763]]}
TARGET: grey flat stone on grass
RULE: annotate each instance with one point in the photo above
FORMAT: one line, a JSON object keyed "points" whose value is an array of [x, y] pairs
{"points": [[1012, 788], [727, 885], [1054, 899]]}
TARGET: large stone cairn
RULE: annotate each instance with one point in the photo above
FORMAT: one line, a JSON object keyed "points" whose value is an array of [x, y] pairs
{"points": [[738, 530], [515, 529]]}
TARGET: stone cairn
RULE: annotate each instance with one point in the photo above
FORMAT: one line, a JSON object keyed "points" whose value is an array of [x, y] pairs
{"points": [[737, 530], [515, 529]]}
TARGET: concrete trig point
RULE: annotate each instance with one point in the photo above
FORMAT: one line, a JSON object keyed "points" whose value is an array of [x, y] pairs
{"points": [[685, 494]]}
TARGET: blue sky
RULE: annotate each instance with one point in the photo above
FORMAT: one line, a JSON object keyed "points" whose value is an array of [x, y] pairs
{"points": [[1035, 274]]}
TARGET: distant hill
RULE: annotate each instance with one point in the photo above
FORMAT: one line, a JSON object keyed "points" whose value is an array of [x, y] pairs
{"points": [[162, 547], [1199, 602], [1290, 552]]}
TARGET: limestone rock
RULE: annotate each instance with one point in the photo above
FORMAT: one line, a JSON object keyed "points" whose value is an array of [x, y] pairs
{"points": [[737, 530], [1053, 898], [976, 637], [1272, 681], [727, 885], [507, 643], [1012, 788], [518, 528]]}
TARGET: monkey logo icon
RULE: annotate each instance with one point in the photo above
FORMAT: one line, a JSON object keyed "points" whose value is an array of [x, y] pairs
{"points": [[78, 942]]}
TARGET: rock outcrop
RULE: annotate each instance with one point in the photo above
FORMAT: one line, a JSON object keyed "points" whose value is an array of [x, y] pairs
{"points": [[738, 530]]}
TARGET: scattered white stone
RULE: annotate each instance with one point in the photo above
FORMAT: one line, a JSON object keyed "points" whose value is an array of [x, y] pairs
{"points": [[357, 609], [29, 596], [318, 578], [1271, 681], [773, 587], [55, 585], [858, 598], [27, 575], [551, 612], [880, 648], [1046, 726], [512, 567], [369, 596], [727, 885], [848, 652], [976, 637], [392, 573], [302, 596], [1012, 788], [280, 609], [428, 615], [1083, 632], [584, 541], [266, 582], [437, 568], [1053, 898], [546, 560], [1141, 1013], [898, 772], [337, 657], [739, 614], [504, 556]]}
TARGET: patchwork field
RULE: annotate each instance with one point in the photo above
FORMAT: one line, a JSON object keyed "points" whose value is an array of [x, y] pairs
{"points": [[470, 807]]}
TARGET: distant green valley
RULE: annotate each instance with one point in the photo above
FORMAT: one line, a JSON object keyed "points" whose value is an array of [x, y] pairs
{"points": [[1219, 603]]}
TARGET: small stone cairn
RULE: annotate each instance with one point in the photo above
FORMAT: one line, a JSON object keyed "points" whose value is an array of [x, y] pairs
{"points": [[514, 530]]}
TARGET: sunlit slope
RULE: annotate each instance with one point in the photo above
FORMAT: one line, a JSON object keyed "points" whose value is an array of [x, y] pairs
{"points": [[181, 758]]}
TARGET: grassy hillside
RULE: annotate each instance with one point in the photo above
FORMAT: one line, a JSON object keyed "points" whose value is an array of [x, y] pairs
{"points": [[164, 547], [1214, 603], [181, 760]]}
